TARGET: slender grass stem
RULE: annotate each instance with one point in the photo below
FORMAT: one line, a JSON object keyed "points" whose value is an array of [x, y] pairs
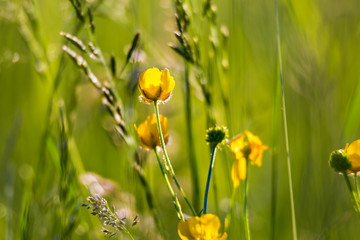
{"points": [[167, 161], [212, 162], [231, 205], [123, 228], [246, 188], [285, 124], [353, 195], [190, 137], [149, 196], [173, 196]]}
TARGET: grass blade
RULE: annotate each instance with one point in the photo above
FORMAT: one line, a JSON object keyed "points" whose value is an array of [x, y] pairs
{"points": [[293, 218]]}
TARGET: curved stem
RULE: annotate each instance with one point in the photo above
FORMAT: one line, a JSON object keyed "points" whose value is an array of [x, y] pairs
{"points": [[351, 192], [246, 217], [212, 161], [167, 161], [173, 196]]}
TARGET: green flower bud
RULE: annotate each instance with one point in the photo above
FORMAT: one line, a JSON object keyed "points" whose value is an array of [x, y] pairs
{"points": [[339, 161], [217, 136]]}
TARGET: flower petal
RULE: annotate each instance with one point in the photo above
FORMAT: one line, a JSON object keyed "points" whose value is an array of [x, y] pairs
{"points": [[167, 84], [353, 152], [183, 231]]}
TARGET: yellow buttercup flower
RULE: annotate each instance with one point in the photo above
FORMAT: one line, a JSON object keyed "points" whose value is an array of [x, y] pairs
{"points": [[248, 144], [352, 150], [205, 227], [245, 145], [155, 85], [149, 134]]}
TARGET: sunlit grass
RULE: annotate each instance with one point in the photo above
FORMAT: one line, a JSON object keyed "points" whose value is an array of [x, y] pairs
{"points": [[60, 124]]}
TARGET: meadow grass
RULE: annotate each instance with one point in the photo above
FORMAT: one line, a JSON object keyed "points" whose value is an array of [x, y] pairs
{"points": [[67, 114]]}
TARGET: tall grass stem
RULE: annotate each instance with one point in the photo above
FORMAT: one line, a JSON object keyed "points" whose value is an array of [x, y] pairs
{"points": [[190, 142], [285, 123]]}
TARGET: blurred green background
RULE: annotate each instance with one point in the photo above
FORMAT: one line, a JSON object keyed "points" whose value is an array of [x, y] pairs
{"points": [[39, 199]]}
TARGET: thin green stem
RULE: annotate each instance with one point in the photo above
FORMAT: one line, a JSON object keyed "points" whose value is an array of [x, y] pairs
{"points": [[285, 124], [351, 191], [122, 227], [129, 234], [231, 205], [168, 163], [173, 196], [246, 217], [212, 162], [149, 196], [190, 142], [357, 188], [162, 142]]}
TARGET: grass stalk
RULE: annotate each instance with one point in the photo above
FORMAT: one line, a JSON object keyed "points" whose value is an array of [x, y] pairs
{"points": [[274, 156], [192, 156], [149, 196], [293, 218]]}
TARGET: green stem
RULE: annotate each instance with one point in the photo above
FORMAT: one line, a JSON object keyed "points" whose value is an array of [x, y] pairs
{"points": [[285, 124], [231, 206], [168, 163], [149, 197], [357, 187], [190, 142], [173, 196], [212, 162], [129, 234], [351, 192], [246, 217]]}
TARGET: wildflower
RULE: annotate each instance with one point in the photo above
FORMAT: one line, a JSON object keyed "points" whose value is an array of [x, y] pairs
{"points": [[248, 145], [352, 150], [245, 146], [148, 132], [205, 227], [155, 85]]}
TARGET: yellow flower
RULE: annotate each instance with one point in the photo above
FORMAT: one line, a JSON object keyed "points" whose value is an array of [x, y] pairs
{"points": [[248, 144], [155, 85], [205, 227], [238, 171], [245, 145], [149, 134], [352, 150]]}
